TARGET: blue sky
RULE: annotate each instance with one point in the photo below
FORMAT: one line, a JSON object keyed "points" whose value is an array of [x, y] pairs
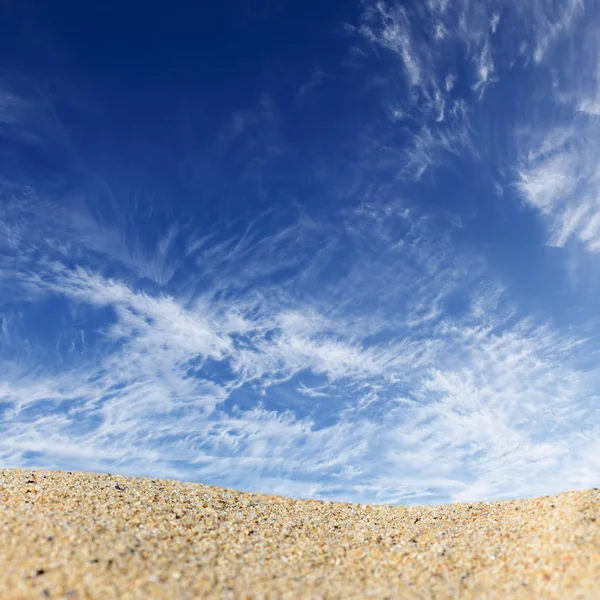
{"points": [[346, 251]]}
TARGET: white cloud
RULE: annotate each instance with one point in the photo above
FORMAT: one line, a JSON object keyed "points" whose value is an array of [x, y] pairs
{"points": [[494, 22], [485, 68], [558, 152], [560, 178], [591, 107], [553, 19], [423, 98], [550, 181], [440, 31], [390, 28], [430, 146], [383, 394]]}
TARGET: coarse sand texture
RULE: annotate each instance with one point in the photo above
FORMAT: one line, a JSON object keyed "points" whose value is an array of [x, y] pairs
{"points": [[84, 535]]}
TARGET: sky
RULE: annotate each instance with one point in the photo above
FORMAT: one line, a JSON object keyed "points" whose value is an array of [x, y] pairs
{"points": [[337, 250]]}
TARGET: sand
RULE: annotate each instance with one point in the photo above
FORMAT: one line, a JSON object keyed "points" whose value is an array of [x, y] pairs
{"points": [[83, 535]]}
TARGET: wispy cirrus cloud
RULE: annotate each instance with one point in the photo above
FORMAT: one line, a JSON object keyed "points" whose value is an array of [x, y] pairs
{"points": [[553, 19], [561, 180], [396, 378], [432, 119], [429, 100], [437, 115], [557, 168]]}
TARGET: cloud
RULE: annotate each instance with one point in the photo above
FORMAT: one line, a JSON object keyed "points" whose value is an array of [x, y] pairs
{"points": [[430, 146], [555, 141], [425, 102], [494, 22], [485, 68], [390, 28], [395, 379], [553, 19], [559, 177]]}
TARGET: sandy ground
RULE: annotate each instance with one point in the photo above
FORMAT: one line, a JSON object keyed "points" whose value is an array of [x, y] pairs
{"points": [[82, 535]]}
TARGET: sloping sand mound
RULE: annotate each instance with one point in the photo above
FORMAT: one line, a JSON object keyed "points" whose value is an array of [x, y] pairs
{"points": [[81, 535]]}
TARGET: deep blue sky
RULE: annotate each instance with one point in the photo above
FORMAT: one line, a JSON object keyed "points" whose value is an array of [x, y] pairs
{"points": [[335, 250]]}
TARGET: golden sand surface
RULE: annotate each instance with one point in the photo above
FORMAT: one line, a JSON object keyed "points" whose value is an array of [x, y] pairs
{"points": [[84, 535]]}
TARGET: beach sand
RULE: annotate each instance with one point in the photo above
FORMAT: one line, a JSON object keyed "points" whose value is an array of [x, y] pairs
{"points": [[83, 535]]}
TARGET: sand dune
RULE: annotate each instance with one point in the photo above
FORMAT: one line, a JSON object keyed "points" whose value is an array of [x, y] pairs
{"points": [[82, 535]]}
